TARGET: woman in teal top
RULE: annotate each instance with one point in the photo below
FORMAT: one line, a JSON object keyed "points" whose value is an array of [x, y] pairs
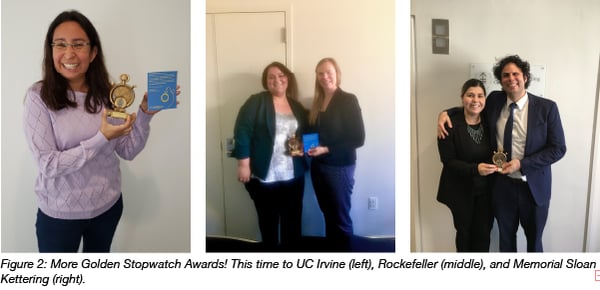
{"points": [[272, 176]]}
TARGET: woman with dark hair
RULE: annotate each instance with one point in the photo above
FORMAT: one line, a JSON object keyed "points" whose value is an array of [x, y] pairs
{"points": [[463, 186], [337, 118], [76, 146], [272, 173]]}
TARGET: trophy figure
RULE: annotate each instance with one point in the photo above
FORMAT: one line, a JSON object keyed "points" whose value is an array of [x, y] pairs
{"points": [[121, 96], [499, 158], [294, 146]]}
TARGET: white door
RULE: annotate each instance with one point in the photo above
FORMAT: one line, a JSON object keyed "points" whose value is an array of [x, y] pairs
{"points": [[238, 47]]}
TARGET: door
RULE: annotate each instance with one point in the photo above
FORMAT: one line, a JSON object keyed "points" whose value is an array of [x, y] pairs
{"points": [[238, 47]]}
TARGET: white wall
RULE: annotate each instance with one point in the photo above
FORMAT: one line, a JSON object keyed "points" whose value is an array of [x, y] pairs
{"points": [[138, 37], [360, 36], [563, 36]]}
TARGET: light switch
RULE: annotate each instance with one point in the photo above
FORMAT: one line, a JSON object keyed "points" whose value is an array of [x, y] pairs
{"points": [[440, 36]]}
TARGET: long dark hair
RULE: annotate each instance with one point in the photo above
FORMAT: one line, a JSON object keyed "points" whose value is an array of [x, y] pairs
{"points": [[55, 87], [292, 88]]}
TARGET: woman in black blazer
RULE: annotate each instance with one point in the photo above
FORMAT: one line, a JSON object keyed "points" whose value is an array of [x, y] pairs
{"points": [[336, 116], [464, 186], [272, 175]]}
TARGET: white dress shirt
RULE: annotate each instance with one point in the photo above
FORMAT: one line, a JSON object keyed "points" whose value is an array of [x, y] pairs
{"points": [[519, 133]]}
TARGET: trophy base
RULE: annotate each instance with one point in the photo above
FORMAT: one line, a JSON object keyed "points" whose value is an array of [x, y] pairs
{"points": [[296, 152], [117, 115]]}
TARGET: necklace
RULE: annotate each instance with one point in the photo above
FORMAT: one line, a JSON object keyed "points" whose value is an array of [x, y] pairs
{"points": [[476, 134]]}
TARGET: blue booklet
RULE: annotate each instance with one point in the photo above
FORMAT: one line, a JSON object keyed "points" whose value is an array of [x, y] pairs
{"points": [[162, 88], [310, 141]]}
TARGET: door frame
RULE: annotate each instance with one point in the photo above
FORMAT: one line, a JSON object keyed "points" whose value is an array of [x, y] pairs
{"points": [[415, 217], [592, 232]]}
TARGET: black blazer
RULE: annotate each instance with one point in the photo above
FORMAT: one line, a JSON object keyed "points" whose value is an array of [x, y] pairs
{"points": [[341, 129], [544, 144], [460, 180]]}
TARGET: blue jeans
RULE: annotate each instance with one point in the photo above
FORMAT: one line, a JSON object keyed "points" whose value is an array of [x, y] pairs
{"points": [[333, 188], [64, 236]]}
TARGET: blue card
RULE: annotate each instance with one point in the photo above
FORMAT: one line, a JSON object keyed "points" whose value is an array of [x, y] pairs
{"points": [[310, 141], [162, 88]]}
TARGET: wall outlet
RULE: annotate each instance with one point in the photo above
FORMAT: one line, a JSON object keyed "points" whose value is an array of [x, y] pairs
{"points": [[373, 203]]}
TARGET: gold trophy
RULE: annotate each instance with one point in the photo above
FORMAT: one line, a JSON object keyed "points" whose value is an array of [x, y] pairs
{"points": [[294, 145], [499, 158], [121, 96]]}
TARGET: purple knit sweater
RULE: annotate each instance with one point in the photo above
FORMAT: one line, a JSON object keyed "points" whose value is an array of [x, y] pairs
{"points": [[79, 175]]}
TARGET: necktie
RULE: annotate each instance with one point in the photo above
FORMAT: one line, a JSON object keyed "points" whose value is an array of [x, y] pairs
{"points": [[508, 132]]}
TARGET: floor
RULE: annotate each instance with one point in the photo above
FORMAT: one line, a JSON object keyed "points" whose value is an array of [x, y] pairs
{"points": [[307, 244]]}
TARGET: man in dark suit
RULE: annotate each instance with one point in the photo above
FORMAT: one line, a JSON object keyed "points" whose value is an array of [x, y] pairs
{"points": [[522, 189]]}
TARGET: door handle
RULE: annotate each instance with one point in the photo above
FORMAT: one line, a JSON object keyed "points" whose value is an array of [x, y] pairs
{"points": [[229, 145]]}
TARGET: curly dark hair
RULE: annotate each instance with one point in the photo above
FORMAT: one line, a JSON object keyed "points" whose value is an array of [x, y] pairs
{"points": [[522, 64]]}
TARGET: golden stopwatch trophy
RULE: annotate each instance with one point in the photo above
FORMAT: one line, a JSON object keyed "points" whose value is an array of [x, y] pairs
{"points": [[121, 96]]}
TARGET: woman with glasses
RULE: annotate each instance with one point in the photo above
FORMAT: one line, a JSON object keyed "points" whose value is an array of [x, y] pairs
{"points": [[76, 146]]}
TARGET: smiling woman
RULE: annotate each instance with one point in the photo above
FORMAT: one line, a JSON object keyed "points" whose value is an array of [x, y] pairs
{"points": [[76, 146], [336, 117], [72, 63], [272, 175], [463, 186]]}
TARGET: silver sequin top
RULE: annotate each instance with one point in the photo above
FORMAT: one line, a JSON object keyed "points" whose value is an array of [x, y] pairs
{"points": [[282, 166]]}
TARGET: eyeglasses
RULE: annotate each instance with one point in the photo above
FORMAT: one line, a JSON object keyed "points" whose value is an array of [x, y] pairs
{"points": [[77, 46]]}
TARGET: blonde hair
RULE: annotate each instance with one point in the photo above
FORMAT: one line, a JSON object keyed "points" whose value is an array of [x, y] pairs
{"points": [[319, 97]]}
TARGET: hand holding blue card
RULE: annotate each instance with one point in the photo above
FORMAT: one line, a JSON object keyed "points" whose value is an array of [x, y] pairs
{"points": [[310, 141], [162, 90]]}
